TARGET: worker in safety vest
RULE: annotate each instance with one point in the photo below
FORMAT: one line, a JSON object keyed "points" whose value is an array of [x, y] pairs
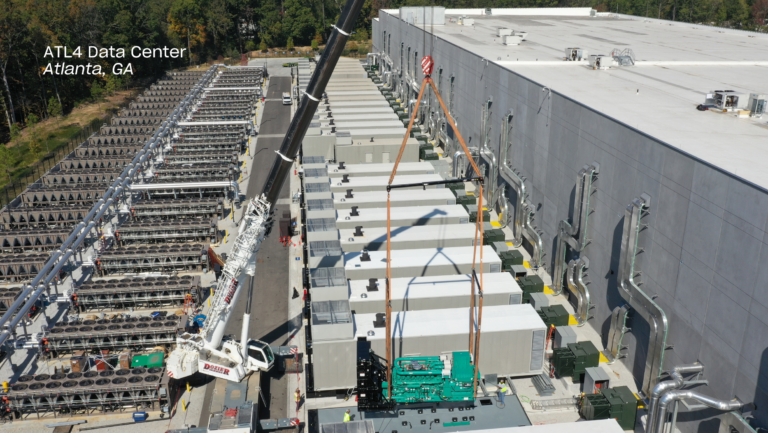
{"points": [[297, 398], [346, 416], [502, 390]]}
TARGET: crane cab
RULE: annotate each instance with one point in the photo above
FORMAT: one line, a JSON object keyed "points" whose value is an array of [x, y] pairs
{"points": [[260, 355]]}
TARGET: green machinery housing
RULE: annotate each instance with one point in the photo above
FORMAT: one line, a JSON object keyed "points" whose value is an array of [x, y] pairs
{"points": [[432, 379], [575, 359], [618, 403]]}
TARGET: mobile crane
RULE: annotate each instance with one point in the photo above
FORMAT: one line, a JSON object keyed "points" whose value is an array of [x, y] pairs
{"points": [[208, 352]]}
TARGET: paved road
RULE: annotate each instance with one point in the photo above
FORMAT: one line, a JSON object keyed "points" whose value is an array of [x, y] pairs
{"points": [[269, 311]]}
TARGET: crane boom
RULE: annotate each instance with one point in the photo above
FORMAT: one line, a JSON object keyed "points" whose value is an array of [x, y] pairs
{"points": [[231, 360]]}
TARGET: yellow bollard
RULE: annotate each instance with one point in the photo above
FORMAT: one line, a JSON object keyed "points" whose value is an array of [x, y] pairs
{"points": [[5, 386], [189, 389], [183, 405]]}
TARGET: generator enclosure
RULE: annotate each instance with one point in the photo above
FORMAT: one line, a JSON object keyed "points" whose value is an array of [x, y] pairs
{"points": [[512, 343], [379, 169], [402, 216], [431, 293], [379, 183], [397, 198], [408, 237], [419, 263]]}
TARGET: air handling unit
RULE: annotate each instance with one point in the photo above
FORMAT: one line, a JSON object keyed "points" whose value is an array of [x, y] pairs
{"points": [[402, 216], [513, 340], [419, 263], [432, 293], [398, 198]]}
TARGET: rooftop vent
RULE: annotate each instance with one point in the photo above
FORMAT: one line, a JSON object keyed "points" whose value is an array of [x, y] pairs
{"points": [[501, 31], [575, 54]]}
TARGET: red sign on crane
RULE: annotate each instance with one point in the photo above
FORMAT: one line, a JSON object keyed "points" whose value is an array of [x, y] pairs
{"points": [[427, 64]]}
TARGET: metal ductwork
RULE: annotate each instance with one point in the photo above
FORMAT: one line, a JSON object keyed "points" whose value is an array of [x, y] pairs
{"points": [[661, 388], [574, 235], [677, 395], [637, 300], [375, 56], [578, 288], [460, 155], [524, 212], [493, 167]]}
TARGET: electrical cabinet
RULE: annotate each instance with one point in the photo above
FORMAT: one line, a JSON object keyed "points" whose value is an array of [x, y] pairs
{"points": [[554, 315], [618, 403], [511, 258], [531, 284], [585, 355], [493, 235], [573, 359]]}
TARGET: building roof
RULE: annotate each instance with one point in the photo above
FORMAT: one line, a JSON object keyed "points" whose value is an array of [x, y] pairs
{"points": [[677, 64]]}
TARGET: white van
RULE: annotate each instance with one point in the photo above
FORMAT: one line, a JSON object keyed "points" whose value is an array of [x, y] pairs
{"points": [[287, 98]]}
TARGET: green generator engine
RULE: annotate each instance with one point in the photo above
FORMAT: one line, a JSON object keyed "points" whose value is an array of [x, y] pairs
{"points": [[432, 379], [618, 403], [574, 359]]}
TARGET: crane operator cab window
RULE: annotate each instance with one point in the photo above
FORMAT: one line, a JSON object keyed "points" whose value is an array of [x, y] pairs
{"points": [[286, 98], [260, 354]]}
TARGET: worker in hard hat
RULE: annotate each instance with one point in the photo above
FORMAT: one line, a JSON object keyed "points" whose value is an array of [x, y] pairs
{"points": [[346, 416], [502, 390], [297, 398]]}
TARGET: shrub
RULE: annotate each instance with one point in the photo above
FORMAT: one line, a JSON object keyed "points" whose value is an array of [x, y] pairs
{"points": [[54, 108], [289, 45], [263, 47]]}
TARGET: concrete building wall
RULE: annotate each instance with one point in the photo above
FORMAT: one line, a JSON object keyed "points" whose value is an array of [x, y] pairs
{"points": [[705, 250]]}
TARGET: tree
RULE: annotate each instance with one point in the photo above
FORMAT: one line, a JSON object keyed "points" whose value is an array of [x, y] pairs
{"points": [[289, 44], [299, 22], [263, 47], [5, 162], [54, 107], [760, 11], [250, 46], [219, 20], [185, 20], [11, 25], [314, 43], [97, 91]]}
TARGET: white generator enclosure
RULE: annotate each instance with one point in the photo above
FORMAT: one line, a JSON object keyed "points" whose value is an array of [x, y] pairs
{"points": [[419, 262], [432, 293], [402, 216]]}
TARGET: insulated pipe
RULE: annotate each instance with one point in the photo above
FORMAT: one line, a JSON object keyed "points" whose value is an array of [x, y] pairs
{"points": [[386, 77], [574, 234], [459, 155], [639, 300], [677, 395], [504, 202], [368, 57], [663, 387], [578, 288]]}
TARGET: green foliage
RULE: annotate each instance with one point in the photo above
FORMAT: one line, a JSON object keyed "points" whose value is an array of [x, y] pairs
{"points": [[32, 119], [314, 45], [352, 47], [15, 131], [97, 91], [362, 51], [5, 162], [289, 44], [54, 108], [263, 47], [299, 21], [114, 83], [250, 46]]}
